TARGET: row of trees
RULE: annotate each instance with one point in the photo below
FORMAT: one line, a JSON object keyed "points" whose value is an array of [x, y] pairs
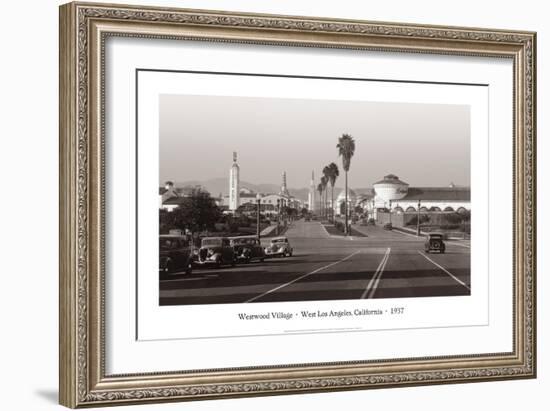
{"points": [[346, 150], [330, 174]]}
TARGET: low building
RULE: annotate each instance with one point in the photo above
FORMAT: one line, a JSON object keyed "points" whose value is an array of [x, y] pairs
{"points": [[281, 199], [250, 209], [341, 199], [171, 197], [394, 195], [172, 203], [166, 192]]}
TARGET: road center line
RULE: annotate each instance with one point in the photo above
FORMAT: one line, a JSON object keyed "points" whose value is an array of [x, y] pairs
{"points": [[375, 286], [380, 268], [447, 272], [301, 277]]}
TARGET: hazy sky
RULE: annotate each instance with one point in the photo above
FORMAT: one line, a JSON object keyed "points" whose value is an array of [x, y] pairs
{"points": [[424, 144]]}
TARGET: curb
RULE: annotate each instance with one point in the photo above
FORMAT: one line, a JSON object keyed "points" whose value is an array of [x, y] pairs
{"points": [[339, 237]]}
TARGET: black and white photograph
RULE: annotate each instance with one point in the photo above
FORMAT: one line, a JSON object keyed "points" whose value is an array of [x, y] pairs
{"points": [[277, 199]]}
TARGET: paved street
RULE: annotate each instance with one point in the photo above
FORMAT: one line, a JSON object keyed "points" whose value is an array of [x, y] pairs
{"points": [[385, 264]]}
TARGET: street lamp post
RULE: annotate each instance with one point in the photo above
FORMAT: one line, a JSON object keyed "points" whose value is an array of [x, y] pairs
{"points": [[278, 214], [418, 220], [258, 199]]}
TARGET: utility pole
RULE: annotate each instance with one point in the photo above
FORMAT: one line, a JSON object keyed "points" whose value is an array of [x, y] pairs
{"points": [[258, 199], [418, 220]]}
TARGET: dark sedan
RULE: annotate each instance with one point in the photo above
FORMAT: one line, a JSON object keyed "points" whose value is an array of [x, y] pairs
{"points": [[279, 247], [434, 242], [175, 255], [216, 251], [247, 249]]}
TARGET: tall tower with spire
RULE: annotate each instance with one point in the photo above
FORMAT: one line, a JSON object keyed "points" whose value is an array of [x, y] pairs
{"points": [[311, 195], [284, 189], [234, 189]]}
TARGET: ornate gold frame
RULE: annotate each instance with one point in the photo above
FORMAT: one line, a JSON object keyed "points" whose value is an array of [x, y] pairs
{"points": [[83, 28]]}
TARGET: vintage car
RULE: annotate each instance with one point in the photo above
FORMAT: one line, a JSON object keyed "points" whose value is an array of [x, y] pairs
{"points": [[175, 255], [215, 251], [247, 249], [278, 247], [434, 242], [388, 226]]}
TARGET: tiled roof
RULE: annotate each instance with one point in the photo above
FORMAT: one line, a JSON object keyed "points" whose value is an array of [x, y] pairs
{"points": [[438, 193], [391, 179]]}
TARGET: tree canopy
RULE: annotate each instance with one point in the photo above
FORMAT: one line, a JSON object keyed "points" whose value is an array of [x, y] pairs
{"points": [[346, 149], [196, 212]]}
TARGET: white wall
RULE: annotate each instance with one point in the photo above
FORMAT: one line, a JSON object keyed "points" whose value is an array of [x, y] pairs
{"points": [[28, 153]]}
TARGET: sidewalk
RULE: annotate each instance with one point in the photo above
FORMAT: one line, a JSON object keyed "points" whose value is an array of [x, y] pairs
{"points": [[454, 240], [272, 230], [268, 230]]}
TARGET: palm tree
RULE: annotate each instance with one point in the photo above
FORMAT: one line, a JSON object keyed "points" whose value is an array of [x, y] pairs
{"points": [[324, 182], [346, 149], [332, 176], [326, 175], [320, 190]]}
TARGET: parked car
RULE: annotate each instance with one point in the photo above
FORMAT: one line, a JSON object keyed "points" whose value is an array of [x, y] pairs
{"points": [[216, 251], [247, 248], [175, 255], [388, 226], [434, 242], [278, 247]]}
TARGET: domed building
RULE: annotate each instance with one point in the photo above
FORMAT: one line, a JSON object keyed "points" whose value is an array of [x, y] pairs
{"points": [[391, 193], [390, 188], [341, 199]]}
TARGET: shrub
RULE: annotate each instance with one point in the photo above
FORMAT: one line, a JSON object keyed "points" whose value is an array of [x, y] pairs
{"points": [[450, 226], [339, 226], [452, 218], [424, 218]]}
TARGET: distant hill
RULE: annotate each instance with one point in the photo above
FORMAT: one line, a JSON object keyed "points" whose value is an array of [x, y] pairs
{"points": [[215, 186], [300, 193]]}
